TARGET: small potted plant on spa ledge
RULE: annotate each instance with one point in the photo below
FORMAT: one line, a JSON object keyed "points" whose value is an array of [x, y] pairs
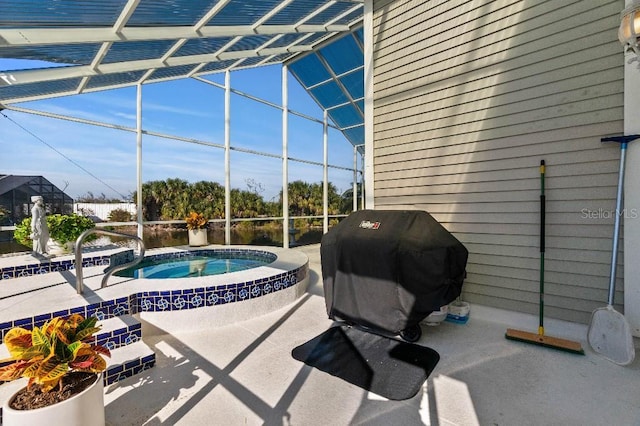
{"points": [[64, 371], [197, 226]]}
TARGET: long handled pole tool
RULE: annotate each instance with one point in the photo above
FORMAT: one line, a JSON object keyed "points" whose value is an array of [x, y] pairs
{"points": [[609, 332], [540, 338]]}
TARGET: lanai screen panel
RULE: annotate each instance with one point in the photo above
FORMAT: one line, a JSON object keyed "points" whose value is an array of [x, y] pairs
{"points": [[86, 46], [333, 74]]}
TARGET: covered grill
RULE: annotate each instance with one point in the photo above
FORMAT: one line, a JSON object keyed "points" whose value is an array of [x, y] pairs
{"points": [[389, 269]]}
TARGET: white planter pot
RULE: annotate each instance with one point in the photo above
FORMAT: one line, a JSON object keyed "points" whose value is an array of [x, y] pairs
{"points": [[198, 237], [54, 248], [84, 409]]}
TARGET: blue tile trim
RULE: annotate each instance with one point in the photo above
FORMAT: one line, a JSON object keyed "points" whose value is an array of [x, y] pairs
{"points": [[48, 266], [175, 300], [120, 372], [118, 338]]}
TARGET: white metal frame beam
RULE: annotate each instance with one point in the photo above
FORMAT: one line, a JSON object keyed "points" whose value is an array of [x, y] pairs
{"points": [[210, 14], [49, 74], [325, 172], [125, 15], [139, 159], [227, 157], [53, 36], [355, 178], [285, 158]]}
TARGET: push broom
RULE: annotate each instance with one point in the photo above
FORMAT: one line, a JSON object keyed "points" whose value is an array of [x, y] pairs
{"points": [[540, 338]]}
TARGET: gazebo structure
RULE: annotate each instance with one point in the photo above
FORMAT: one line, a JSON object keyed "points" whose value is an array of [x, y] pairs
{"points": [[16, 193], [452, 103]]}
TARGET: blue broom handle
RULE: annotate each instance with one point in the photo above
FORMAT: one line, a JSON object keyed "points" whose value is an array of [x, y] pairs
{"points": [[616, 226], [623, 141]]}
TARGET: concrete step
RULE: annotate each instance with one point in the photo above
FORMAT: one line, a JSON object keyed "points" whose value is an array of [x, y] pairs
{"points": [[40, 282], [129, 360]]}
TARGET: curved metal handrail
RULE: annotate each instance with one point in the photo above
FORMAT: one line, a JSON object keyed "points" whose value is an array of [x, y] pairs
{"points": [[78, 250]]}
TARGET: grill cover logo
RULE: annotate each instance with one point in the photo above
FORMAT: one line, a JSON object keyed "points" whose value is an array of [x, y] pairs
{"points": [[365, 224]]}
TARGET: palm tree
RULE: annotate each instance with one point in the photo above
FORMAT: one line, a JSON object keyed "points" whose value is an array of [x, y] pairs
{"points": [[174, 199], [152, 199], [178, 199], [208, 198]]}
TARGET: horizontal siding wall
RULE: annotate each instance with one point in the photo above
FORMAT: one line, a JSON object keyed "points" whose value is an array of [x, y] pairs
{"points": [[469, 96]]}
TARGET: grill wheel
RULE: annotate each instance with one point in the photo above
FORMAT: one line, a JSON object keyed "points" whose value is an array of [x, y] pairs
{"points": [[412, 333]]}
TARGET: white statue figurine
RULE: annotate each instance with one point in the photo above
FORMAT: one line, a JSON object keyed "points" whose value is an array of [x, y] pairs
{"points": [[39, 229]]}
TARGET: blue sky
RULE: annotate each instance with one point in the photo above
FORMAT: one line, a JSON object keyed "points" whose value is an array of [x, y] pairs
{"points": [[186, 108]]}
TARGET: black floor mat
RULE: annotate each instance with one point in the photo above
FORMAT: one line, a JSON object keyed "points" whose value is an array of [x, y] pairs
{"points": [[387, 367]]}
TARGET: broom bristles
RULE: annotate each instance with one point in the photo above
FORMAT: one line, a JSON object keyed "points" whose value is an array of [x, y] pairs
{"points": [[547, 341]]}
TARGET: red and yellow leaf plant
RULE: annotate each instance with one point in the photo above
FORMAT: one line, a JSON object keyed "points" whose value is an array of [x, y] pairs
{"points": [[196, 221], [46, 354]]}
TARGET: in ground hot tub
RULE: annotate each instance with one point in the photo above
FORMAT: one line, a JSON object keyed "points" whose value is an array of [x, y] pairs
{"points": [[197, 263], [201, 300]]}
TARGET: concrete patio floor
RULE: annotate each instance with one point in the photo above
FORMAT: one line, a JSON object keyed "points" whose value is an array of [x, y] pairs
{"points": [[244, 374]]}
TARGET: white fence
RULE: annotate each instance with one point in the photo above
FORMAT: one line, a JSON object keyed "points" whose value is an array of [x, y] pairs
{"points": [[102, 210]]}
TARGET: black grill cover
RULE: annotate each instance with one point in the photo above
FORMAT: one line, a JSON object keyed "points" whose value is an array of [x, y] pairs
{"points": [[389, 269]]}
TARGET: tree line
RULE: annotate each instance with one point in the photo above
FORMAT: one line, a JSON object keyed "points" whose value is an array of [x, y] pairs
{"points": [[174, 199]]}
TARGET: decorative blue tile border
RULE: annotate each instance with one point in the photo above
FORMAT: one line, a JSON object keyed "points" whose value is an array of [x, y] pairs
{"points": [[130, 369], [176, 300], [121, 337], [102, 311], [45, 267], [171, 300]]}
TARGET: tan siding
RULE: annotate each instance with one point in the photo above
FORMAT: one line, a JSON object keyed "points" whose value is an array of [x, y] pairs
{"points": [[468, 98], [548, 142]]}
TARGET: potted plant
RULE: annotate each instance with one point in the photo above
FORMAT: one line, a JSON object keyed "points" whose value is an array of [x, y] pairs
{"points": [[63, 231], [197, 224], [64, 369]]}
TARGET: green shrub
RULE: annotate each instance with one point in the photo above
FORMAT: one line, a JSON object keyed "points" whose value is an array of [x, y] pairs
{"points": [[119, 215], [22, 232], [62, 228], [245, 226]]}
